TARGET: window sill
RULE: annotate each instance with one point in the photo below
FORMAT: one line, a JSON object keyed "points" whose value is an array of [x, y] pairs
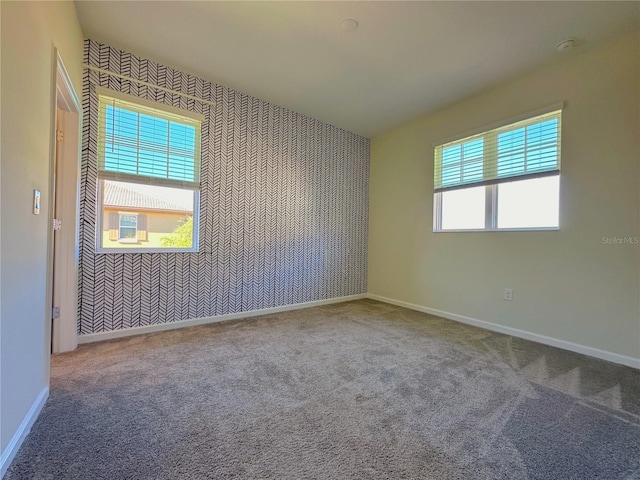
{"points": [[126, 250], [483, 230]]}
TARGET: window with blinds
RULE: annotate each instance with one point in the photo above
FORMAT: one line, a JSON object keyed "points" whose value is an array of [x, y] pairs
{"points": [[506, 177], [148, 167], [145, 144]]}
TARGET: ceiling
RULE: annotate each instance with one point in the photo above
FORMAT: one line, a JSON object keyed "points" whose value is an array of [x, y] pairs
{"points": [[404, 59]]}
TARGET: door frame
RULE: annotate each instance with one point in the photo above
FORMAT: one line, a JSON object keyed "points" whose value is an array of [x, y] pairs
{"points": [[64, 246]]}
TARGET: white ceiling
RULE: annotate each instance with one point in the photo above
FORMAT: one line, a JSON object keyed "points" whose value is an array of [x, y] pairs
{"points": [[404, 59]]}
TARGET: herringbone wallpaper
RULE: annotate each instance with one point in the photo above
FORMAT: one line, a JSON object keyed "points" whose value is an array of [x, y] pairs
{"points": [[283, 216]]}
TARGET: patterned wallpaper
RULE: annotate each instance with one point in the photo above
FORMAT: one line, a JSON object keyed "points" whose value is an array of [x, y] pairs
{"points": [[283, 216]]}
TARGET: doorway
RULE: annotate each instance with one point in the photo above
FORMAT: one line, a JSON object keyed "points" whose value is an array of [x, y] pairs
{"points": [[65, 219]]}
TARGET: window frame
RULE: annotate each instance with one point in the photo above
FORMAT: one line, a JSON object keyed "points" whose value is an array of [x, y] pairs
{"points": [[133, 179], [492, 186]]}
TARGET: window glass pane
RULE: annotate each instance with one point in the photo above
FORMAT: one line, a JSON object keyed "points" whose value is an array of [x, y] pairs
{"points": [[473, 149], [542, 134], [128, 220], [128, 233], [541, 159], [146, 216], [463, 209], [450, 175], [181, 167], [462, 163], [472, 171], [529, 149], [147, 145], [529, 203], [120, 158], [451, 155], [511, 151]]}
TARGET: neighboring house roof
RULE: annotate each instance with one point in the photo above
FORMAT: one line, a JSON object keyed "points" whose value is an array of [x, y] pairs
{"points": [[117, 194]]}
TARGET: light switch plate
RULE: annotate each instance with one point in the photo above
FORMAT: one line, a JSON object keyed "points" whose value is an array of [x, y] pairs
{"points": [[36, 202]]}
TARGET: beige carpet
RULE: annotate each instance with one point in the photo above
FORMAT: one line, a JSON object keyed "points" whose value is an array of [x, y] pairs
{"points": [[353, 390]]}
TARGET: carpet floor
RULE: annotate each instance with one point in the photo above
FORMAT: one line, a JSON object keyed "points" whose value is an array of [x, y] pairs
{"points": [[345, 391]]}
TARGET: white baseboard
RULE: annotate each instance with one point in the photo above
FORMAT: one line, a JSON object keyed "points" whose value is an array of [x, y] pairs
{"points": [[515, 332], [14, 445], [98, 337]]}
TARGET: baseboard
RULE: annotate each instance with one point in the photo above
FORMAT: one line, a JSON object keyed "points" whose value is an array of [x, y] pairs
{"points": [[98, 337], [515, 332], [24, 428]]}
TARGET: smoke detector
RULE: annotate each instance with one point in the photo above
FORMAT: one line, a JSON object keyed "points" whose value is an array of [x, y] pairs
{"points": [[349, 25], [567, 44]]}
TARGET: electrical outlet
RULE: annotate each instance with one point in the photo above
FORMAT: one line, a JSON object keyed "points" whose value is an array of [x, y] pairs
{"points": [[508, 294]]}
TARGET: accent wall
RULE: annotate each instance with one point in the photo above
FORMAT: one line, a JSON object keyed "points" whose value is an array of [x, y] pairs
{"points": [[283, 216]]}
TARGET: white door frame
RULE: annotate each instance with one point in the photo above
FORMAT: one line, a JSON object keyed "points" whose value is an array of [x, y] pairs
{"points": [[65, 193]]}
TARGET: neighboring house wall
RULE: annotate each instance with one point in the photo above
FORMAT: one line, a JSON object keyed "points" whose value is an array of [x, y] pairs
{"points": [[164, 222], [283, 210], [30, 30], [158, 225], [570, 284]]}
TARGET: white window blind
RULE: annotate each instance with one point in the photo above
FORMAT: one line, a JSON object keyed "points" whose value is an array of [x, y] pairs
{"points": [[143, 144], [526, 149]]}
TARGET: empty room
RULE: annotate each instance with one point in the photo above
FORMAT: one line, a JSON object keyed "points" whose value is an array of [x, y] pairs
{"points": [[319, 240]]}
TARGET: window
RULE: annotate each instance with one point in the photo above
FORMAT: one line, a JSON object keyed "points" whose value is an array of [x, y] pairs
{"points": [[128, 227], [505, 178], [148, 175]]}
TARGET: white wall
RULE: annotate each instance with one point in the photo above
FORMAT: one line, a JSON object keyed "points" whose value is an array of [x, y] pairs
{"points": [[567, 284], [30, 31]]}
